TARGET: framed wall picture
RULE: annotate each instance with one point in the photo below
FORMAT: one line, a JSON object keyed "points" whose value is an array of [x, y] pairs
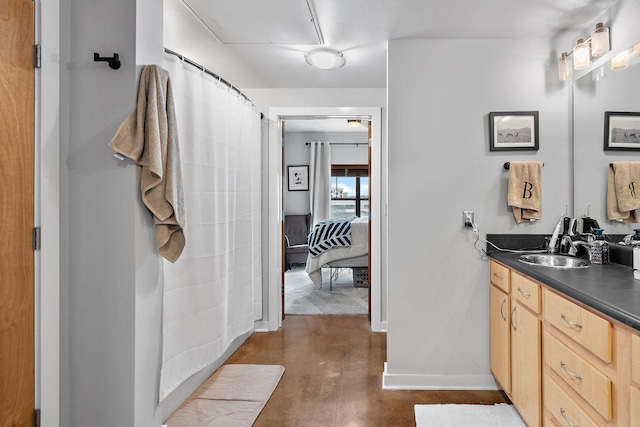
{"points": [[515, 130], [621, 131], [298, 178]]}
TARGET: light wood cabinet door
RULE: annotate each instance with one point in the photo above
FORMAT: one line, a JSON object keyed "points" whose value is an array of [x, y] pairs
{"points": [[594, 386], [500, 341], [635, 358], [586, 328], [526, 363], [563, 407], [500, 276], [526, 291], [634, 403]]}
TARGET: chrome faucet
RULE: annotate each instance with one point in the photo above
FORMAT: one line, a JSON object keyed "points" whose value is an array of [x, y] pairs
{"points": [[574, 246], [584, 244]]}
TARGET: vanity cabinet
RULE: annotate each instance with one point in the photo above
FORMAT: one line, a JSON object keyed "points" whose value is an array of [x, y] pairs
{"points": [[568, 364], [515, 339], [634, 388]]}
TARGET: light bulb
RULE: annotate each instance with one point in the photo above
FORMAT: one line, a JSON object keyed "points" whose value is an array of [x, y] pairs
{"points": [[620, 61], [565, 72], [600, 41], [581, 55]]}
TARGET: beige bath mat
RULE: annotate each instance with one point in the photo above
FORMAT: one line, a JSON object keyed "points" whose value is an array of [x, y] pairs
{"points": [[233, 396]]}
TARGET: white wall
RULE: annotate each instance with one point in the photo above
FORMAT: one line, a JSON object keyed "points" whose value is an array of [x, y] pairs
{"points": [[110, 298], [98, 255], [296, 153], [440, 95]]}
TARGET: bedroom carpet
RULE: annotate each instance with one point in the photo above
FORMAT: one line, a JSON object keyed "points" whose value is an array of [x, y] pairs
{"points": [[233, 396], [302, 297], [500, 415]]}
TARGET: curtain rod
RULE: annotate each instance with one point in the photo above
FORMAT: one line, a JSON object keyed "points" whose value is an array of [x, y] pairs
{"points": [[212, 74]]}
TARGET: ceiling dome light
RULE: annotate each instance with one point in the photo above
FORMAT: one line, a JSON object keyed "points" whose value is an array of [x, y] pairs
{"points": [[354, 123], [325, 58]]}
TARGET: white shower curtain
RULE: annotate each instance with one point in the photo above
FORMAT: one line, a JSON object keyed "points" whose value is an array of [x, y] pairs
{"points": [[211, 293], [320, 180]]}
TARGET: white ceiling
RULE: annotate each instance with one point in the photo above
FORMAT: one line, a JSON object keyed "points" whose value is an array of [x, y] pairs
{"points": [[270, 37], [261, 43]]}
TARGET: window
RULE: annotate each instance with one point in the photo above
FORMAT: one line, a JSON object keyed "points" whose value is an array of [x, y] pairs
{"points": [[349, 191]]}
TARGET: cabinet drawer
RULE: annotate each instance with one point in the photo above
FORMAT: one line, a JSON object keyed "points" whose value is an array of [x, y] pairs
{"points": [[563, 407], [500, 276], [586, 328], [635, 358], [586, 380], [526, 291], [635, 406]]}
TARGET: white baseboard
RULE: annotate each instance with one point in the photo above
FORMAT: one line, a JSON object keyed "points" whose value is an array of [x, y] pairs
{"points": [[261, 326], [437, 381]]}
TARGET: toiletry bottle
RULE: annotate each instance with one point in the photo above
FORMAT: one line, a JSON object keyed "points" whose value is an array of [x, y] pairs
{"points": [[599, 248]]}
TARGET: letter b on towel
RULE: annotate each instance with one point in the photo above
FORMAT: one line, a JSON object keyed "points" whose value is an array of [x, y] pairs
{"points": [[526, 193]]}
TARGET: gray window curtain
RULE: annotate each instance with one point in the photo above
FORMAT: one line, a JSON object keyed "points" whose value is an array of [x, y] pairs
{"points": [[319, 180]]}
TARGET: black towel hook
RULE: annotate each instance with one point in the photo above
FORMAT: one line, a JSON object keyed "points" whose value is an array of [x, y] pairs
{"points": [[114, 61]]}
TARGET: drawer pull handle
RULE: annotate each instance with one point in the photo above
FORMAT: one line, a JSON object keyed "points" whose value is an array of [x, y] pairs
{"points": [[566, 419], [498, 276], [504, 302], [576, 376], [524, 294], [570, 323]]}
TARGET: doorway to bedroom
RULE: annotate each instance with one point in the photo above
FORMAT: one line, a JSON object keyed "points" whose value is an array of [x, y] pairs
{"points": [[326, 159]]}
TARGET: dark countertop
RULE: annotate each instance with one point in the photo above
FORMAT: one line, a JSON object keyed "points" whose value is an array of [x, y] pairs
{"points": [[610, 288]]}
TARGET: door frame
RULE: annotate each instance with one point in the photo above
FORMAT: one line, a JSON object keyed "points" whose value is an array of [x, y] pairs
{"points": [[47, 196], [275, 208]]}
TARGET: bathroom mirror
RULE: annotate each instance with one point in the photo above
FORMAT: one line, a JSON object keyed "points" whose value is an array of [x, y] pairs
{"points": [[601, 90]]}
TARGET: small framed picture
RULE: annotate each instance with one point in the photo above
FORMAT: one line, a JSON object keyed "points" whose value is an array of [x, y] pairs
{"points": [[621, 131], [515, 130], [298, 178]]}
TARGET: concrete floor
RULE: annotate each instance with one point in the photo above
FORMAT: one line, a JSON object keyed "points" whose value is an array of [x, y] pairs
{"points": [[333, 376]]}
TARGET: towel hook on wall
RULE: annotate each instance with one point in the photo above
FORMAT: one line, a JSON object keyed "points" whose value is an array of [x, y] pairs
{"points": [[114, 61]]}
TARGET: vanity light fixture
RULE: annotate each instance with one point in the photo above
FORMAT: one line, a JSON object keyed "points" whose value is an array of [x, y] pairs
{"points": [[325, 59], [565, 69], [585, 51], [354, 123], [620, 61], [636, 49]]}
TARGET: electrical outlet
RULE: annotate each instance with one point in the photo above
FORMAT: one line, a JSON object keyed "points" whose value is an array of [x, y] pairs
{"points": [[467, 219]]}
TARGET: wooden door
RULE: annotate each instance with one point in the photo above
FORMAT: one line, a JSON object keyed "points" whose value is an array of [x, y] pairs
{"points": [[500, 338], [526, 363], [17, 348]]}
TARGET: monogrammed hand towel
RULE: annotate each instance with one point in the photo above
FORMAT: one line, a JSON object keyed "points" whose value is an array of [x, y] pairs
{"points": [[623, 191], [525, 190]]}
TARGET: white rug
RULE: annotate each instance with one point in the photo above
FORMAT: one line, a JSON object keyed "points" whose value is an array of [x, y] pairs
{"points": [[233, 397], [302, 297], [500, 415]]}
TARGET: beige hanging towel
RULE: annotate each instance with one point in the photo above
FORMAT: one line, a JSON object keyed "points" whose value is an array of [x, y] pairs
{"points": [[149, 136], [525, 190], [623, 191]]}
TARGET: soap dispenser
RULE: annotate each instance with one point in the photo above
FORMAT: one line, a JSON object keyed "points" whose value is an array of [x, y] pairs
{"points": [[599, 248]]}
